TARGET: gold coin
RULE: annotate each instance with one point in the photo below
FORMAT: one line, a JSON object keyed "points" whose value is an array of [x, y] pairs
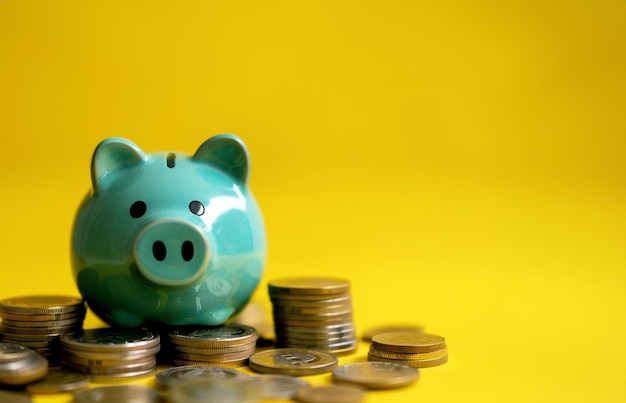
{"points": [[332, 310], [331, 394], [408, 342], [42, 304], [324, 301], [229, 335], [376, 374], [309, 285], [43, 317], [46, 324], [313, 298], [293, 361], [371, 332], [413, 363], [59, 381], [408, 356], [38, 330], [225, 364], [213, 350], [215, 357]]}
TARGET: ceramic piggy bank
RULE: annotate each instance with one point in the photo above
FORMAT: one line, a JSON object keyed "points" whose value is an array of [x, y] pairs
{"points": [[167, 238]]}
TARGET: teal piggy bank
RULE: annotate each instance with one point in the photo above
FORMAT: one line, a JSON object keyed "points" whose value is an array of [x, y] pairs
{"points": [[167, 238]]}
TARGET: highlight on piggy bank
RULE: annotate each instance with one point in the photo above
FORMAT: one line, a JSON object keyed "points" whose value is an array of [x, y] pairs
{"points": [[168, 238]]}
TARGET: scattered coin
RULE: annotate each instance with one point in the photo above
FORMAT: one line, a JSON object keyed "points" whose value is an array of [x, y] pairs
{"points": [[293, 361], [371, 332], [418, 350], [376, 375], [210, 390], [172, 376], [122, 393], [59, 381], [408, 342], [275, 387], [20, 365], [331, 394]]}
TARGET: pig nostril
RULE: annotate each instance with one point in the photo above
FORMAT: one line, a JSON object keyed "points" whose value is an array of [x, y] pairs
{"points": [[159, 251], [187, 250]]}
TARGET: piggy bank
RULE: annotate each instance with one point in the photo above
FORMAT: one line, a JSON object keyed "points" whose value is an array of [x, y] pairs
{"points": [[167, 238]]}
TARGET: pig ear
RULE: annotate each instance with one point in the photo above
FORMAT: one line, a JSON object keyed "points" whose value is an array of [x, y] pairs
{"points": [[228, 153], [110, 155]]}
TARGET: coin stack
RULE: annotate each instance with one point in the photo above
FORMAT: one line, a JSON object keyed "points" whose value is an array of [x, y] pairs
{"points": [[418, 350], [20, 365], [38, 321], [109, 354], [227, 346], [313, 313]]}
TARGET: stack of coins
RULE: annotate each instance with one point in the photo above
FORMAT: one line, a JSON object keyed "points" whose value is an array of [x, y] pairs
{"points": [[38, 321], [418, 350], [110, 355], [20, 365], [313, 313], [227, 346]]}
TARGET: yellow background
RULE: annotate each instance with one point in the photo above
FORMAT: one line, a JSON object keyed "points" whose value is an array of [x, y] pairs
{"points": [[461, 162]]}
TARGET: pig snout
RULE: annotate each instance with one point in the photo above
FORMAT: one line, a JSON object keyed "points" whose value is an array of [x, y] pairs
{"points": [[171, 252]]}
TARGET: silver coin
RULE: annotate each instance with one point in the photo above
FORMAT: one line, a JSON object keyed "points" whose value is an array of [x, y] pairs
{"points": [[110, 339], [115, 356], [122, 393], [59, 381], [211, 390], [13, 352], [202, 336], [376, 375], [47, 324], [172, 376], [23, 371], [275, 387]]}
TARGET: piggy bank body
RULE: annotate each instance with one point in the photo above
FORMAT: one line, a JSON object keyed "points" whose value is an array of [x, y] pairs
{"points": [[167, 238]]}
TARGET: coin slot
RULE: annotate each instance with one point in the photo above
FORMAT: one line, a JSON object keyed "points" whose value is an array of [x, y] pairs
{"points": [[171, 160]]}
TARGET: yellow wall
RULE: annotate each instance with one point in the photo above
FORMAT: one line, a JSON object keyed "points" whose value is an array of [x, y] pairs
{"points": [[461, 162]]}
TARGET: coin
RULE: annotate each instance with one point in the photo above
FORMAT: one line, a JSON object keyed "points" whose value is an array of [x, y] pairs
{"points": [[309, 285], [210, 390], [275, 387], [172, 376], [324, 301], [376, 375], [10, 352], [46, 324], [331, 394], [293, 361], [222, 336], [59, 381], [408, 356], [110, 339], [371, 332], [42, 304], [207, 363], [408, 342], [43, 317], [122, 393], [24, 370], [214, 350], [433, 362]]}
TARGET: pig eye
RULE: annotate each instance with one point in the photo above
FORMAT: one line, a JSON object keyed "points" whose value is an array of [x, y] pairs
{"points": [[196, 207], [137, 209]]}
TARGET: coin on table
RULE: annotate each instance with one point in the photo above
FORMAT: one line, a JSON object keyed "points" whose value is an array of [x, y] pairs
{"points": [[376, 375], [13, 352], [368, 334], [408, 342], [232, 334], [331, 394], [172, 376], [293, 361], [24, 370], [210, 390], [59, 381], [110, 339], [41, 305], [121, 393], [275, 387]]}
